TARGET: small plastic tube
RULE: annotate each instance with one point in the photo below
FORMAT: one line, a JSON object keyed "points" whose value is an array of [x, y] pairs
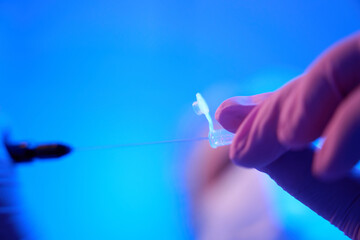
{"points": [[218, 137]]}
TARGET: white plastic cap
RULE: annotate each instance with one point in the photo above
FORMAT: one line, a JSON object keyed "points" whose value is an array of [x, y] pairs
{"points": [[218, 137], [200, 106]]}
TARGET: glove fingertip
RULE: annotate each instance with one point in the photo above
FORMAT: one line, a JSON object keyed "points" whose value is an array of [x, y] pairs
{"points": [[320, 170], [290, 140], [238, 155], [291, 130], [231, 116]]}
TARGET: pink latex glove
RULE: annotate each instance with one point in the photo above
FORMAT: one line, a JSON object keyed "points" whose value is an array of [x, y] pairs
{"points": [[275, 135]]}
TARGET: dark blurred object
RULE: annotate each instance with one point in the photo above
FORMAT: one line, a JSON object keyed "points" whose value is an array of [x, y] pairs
{"points": [[25, 152]]}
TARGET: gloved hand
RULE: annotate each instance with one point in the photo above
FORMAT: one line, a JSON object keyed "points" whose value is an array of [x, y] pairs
{"points": [[11, 220], [275, 135]]}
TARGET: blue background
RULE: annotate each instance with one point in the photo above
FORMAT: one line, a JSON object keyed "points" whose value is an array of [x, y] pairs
{"points": [[107, 72]]}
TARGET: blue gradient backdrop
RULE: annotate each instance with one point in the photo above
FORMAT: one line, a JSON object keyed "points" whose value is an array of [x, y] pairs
{"points": [[104, 72]]}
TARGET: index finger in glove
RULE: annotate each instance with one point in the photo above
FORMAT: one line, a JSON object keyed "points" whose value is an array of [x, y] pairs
{"points": [[255, 143], [298, 113]]}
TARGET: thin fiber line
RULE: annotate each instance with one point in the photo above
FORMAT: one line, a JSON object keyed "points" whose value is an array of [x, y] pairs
{"points": [[140, 144]]}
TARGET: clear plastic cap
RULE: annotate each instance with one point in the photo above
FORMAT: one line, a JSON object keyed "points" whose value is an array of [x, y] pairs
{"points": [[218, 137]]}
